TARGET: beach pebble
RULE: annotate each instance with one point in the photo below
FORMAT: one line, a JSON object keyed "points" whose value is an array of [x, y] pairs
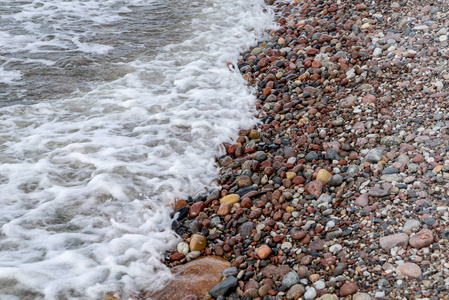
{"points": [[310, 294], [290, 279], [422, 239], [409, 270], [348, 288], [394, 240], [263, 251], [197, 242]]}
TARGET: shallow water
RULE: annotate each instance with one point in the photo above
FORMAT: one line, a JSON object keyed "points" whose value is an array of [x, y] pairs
{"points": [[108, 110]]}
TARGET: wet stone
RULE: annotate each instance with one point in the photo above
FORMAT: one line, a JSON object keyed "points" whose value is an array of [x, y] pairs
{"points": [[224, 287]]}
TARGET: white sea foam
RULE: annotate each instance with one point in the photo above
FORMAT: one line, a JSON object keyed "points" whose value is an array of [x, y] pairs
{"points": [[85, 181]]}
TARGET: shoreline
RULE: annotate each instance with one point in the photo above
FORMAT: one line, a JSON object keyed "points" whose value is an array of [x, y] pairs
{"points": [[340, 191]]}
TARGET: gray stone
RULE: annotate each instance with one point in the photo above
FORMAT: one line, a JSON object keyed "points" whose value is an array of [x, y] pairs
{"points": [[390, 141], [335, 180], [377, 191], [390, 171], [246, 229], [310, 294], [411, 224], [340, 268], [331, 155], [352, 170], [311, 156], [224, 287], [374, 155], [391, 177], [232, 271], [290, 279]]}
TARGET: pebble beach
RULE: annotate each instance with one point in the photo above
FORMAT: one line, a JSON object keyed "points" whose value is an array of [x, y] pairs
{"points": [[340, 192]]}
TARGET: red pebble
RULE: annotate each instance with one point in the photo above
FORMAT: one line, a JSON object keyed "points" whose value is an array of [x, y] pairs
{"points": [[196, 208], [176, 256]]}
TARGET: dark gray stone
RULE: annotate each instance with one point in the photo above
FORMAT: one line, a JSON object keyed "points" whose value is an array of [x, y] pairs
{"points": [[388, 171], [331, 155], [224, 287], [246, 229], [311, 156]]}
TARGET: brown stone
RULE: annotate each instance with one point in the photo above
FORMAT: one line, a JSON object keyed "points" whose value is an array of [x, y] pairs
{"points": [[278, 238], [196, 208], [190, 297], [224, 209], [422, 239], [176, 256], [244, 181], [317, 245], [315, 188], [195, 278], [362, 200], [179, 203], [348, 288], [297, 235], [298, 180], [263, 251], [197, 242]]}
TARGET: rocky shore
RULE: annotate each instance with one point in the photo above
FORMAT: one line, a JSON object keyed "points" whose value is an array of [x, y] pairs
{"points": [[341, 191]]}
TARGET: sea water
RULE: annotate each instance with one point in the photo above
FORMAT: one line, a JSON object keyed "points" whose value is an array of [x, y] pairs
{"points": [[109, 109]]}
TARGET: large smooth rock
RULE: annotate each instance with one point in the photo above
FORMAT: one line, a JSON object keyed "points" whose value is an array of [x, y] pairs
{"points": [[409, 270], [394, 240], [231, 199], [197, 277], [422, 239]]}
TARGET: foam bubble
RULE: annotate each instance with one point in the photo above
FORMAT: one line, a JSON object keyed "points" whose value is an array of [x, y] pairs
{"points": [[89, 178]]}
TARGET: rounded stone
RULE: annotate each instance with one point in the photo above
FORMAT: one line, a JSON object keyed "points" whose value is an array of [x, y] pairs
{"points": [[348, 288], [183, 247], [197, 242], [230, 199], [323, 175], [290, 279], [409, 270], [422, 239], [310, 294], [361, 296], [295, 292], [263, 251]]}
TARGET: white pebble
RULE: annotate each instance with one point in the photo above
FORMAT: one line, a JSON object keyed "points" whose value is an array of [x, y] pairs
{"points": [[320, 285], [335, 248], [183, 248], [310, 294], [377, 52]]}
